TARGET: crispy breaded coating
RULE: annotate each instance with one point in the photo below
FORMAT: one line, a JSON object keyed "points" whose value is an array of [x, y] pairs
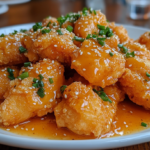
{"points": [[84, 112], [9, 49], [145, 39], [113, 42], [120, 31], [28, 41], [139, 50], [95, 64], [5, 80], [50, 22], [23, 100], [87, 24], [55, 46], [135, 81]]}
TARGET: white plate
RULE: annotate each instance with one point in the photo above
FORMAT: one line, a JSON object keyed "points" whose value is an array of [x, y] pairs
{"points": [[13, 2], [3, 9], [8, 138]]}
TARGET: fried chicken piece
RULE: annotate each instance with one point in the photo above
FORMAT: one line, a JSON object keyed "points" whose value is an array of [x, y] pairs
{"points": [[50, 22], [138, 49], [84, 112], [95, 64], [135, 81], [113, 42], [23, 100], [120, 31], [145, 39], [9, 49], [5, 80], [87, 24], [28, 41], [55, 46]]}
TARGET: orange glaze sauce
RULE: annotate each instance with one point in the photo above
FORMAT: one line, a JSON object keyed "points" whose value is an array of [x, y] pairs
{"points": [[127, 121]]}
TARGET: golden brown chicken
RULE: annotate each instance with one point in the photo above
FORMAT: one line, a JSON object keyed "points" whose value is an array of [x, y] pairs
{"points": [[100, 65], [145, 40], [54, 44], [87, 23], [6, 75], [35, 93], [9, 49], [84, 112], [136, 81]]}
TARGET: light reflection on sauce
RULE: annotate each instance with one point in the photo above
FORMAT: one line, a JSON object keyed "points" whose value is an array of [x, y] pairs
{"points": [[127, 121]]}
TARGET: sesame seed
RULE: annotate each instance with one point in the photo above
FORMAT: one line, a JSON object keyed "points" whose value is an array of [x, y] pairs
{"points": [[65, 96]]}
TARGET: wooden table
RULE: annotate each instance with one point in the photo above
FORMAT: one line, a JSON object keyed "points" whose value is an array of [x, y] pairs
{"points": [[36, 10]]}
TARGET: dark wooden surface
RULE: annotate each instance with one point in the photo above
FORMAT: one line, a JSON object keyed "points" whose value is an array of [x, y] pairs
{"points": [[36, 10]]}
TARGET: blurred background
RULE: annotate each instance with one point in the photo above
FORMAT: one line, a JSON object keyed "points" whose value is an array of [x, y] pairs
{"points": [[14, 12]]}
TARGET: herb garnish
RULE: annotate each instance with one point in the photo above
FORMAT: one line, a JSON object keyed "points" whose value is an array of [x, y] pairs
{"points": [[62, 88], [22, 49], [102, 95], [23, 75], [11, 75]]}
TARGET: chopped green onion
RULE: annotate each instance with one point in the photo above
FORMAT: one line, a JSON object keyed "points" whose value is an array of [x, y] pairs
{"points": [[101, 27], [102, 32], [2, 35], [11, 75], [91, 10], [78, 39], [51, 81], [124, 49], [15, 32], [107, 20], [48, 24], [147, 74], [62, 88], [101, 42], [94, 36], [26, 64], [102, 95], [22, 49], [23, 30], [54, 23], [41, 77], [143, 124], [41, 84], [37, 26], [40, 92], [130, 54], [35, 80], [36, 85], [120, 45], [110, 34], [59, 32], [102, 39], [84, 11], [89, 36], [71, 17], [94, 12], [44, 31], [111, 54], [69, 28], [23, 75]]}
